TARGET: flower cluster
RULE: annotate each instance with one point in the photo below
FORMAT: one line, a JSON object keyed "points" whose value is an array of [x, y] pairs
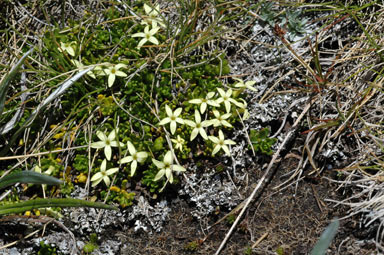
{"points": [[110, 70], [225, 99], [151, 20], [214, 113]]}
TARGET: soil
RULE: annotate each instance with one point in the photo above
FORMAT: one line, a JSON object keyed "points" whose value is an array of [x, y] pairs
{"points": [[291, 221]]}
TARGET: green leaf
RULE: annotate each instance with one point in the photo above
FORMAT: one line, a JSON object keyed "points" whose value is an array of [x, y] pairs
{"points": [[5, 83], [326, 238], [29, 205], [28, 177]]}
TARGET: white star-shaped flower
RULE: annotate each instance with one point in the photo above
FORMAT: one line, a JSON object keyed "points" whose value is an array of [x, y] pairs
{"points": [[167, 167], [203, 102], [103, 174], [179, 142], [226, 99], [221, 143], [67, 47], [152, 16], [172, 118], [134, 158], [148, 36], [247, 84], [198, 126], [245, 110], [106, 142], [114, 71], [220, 119]]}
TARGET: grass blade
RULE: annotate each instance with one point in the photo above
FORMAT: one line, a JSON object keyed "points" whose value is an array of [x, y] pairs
{"points": [[28, 177], [50, 202], [5, 82], [326, 238], [55, 94]]}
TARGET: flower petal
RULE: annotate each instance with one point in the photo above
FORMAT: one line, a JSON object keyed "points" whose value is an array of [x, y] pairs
{"points": [[190, 123], [221, 135], [103, 165], [70, 51], [203, 107], [168, 110], [203, 133], [227, 106], [101, 135], [194, 133], [168, 159], [121, 65], [133, 167], [126, 160], [159, 175], [141, 156], [178, 168], [195, 101], [214, 139], [96, 176], [108, 152], [112, 170], [159, 164], [153, 40], [98, 145], [173, 127], [107, 180], [216, 149], [111, 79], [141, 34], [131, 148], [197, 116], [120, 74], [165, 121], [226, 149], [94, 183], [168, 174], [177, 111]]}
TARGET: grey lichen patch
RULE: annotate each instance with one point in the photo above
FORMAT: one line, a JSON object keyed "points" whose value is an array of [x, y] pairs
{"points": [[147, 217], [208, 191]]}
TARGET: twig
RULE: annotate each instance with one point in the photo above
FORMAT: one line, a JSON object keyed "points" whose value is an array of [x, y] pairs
{"points": [[259, 240]]}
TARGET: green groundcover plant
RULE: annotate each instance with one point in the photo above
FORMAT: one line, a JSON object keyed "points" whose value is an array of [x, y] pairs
{"points": [[138, 100]]}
